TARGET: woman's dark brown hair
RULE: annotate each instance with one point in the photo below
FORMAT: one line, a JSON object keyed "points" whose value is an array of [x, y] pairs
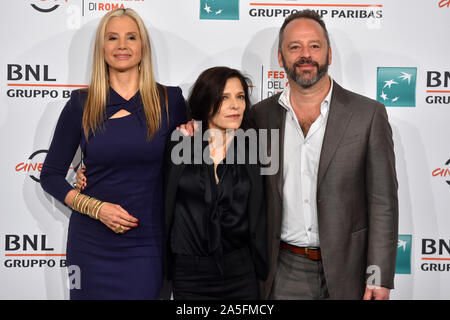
{"points": [[205, 97]]}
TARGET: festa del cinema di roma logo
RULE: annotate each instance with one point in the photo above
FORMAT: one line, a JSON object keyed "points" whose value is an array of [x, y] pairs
{"points": [[46, 5], [396, 87], [443, 172], [32, 167], [219, 9]]}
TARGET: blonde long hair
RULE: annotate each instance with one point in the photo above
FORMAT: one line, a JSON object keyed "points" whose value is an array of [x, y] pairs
{"points": [[93, 115]]}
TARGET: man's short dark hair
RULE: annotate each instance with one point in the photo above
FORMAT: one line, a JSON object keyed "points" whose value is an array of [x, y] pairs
{"points": [[304, 14]]}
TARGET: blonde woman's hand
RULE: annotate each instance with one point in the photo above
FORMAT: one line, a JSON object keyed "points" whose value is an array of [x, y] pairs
{"points": [[116, 218]]}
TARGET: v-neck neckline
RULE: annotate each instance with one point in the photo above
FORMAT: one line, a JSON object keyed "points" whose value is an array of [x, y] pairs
{"points": [[116, 98]]}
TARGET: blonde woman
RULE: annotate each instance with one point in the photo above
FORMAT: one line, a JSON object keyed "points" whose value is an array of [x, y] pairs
{"points": [[121, 124]]}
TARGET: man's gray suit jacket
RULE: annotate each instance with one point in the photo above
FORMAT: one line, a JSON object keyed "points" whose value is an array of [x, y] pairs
{"points": [[356, 193]]}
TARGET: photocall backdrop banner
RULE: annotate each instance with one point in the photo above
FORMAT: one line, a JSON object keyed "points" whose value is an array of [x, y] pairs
{"points": [[392, 51]]}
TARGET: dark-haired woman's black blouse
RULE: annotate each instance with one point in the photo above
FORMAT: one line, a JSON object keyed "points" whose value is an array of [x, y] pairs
{"points": [[211, 219]]}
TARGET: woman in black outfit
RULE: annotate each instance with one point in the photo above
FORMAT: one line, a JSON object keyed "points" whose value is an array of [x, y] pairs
{"points": [[215, 214]]}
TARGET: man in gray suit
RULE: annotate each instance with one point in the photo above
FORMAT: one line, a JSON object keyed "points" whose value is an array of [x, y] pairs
{"points": [[332, 206]]}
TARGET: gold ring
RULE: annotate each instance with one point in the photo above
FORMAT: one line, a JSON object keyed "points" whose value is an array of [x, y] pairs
{"points": [[118, 229]]}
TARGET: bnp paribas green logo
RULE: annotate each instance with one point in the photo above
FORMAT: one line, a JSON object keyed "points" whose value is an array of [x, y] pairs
{"points": [[219, 9], [396, 87], [403, 264]]}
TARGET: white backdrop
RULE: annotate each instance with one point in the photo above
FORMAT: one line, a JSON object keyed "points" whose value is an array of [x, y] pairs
{"points": [[46, 52]]}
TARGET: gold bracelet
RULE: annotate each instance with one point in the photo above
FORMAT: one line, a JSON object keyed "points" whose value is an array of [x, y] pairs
{"points": [[92, 203], [78, 203], [82, 203], [86, 208], [74, 201], [87, 205], [93, 207], [98, 210], [84, 199]]}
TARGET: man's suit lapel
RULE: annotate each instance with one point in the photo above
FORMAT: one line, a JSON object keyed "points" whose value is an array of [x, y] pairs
{"points": [[338, 118]]}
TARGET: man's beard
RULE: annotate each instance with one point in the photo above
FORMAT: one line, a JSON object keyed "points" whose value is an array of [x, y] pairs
{"points": [[306, 83]]}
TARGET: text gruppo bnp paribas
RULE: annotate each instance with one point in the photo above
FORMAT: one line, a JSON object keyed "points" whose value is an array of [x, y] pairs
{"points": [[338, 13]]}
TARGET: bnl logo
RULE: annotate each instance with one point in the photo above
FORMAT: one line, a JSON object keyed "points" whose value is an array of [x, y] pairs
{"points": [[403, 264], [396, 87], [219, 9]]}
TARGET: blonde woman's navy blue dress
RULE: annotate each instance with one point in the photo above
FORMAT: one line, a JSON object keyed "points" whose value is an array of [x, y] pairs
{"points": [[125, 168]]}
